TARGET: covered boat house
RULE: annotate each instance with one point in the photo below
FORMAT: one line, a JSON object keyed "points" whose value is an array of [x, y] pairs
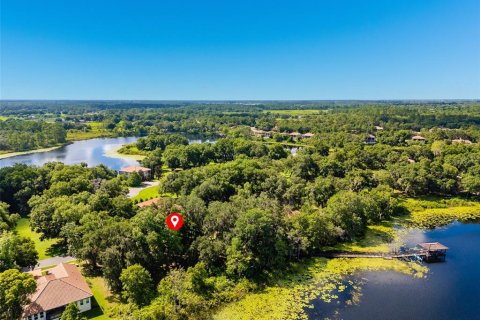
{"points": [[433, 251]]}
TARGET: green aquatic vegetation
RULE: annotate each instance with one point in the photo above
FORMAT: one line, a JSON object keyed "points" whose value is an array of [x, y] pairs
{"points": [[420, 204], [320, 279], [431, 218]]}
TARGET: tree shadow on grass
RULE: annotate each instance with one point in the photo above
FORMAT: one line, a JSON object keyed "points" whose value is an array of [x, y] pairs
{"points": [[57, 249], [93, 313], [375, 237]]}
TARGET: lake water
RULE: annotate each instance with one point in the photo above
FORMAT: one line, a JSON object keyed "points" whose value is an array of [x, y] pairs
{"points": [[93, 152], [451, 289]]}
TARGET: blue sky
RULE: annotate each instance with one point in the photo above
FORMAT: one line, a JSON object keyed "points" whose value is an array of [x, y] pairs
{"points": [[243, 49]]}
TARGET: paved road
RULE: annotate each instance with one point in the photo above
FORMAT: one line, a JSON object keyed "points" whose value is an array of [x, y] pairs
{"points": [[132, 192], [51, 262]]}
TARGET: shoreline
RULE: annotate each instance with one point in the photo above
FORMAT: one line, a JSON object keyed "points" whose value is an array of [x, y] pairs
{"points": [[115, 154], [21, 153], [326, 278], [111, 154]]}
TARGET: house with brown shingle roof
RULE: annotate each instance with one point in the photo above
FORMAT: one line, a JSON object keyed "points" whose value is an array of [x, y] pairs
{"points": [[56, 288]]}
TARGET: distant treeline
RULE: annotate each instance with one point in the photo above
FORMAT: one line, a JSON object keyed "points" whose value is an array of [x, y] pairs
{"points": [[21, 135]]}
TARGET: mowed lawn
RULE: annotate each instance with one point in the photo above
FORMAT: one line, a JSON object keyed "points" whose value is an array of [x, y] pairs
{"points": [[23, 229], [147, 193], [103, 298]]}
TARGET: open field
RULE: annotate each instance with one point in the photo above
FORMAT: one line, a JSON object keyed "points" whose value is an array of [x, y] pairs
{"points": [[42, 246], [97, 131], [73, 135], [3, 118]]}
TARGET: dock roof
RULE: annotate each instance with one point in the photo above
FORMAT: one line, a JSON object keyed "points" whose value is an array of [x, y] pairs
{"points": [[432, 246]]}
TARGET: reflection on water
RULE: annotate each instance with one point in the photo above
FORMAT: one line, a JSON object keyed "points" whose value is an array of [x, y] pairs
{"points": [[93, 152], [450, 291]]}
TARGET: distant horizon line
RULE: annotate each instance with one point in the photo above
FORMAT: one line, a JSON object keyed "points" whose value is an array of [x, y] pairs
{"points": [[246, 100]]}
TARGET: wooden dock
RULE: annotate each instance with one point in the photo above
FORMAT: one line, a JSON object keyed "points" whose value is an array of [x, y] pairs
{"points": [[433, 251]]}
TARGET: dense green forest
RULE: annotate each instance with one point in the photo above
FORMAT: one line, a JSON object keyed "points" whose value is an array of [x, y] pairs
{"points": [[33, 125], [22, 135], [251, 208]]}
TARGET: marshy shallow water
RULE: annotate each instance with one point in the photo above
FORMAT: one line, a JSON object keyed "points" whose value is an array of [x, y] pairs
{"points": [[451, 289]]}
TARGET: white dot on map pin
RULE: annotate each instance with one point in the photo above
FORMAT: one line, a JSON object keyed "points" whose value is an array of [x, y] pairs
{"points": [[174, 220]]}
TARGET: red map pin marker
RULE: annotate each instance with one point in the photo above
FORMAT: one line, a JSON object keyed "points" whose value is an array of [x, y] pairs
{"points": [[174, 221]]}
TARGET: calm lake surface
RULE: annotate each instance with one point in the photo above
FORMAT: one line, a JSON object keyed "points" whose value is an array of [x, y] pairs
{"points": [[451, 289], [93, 152]]}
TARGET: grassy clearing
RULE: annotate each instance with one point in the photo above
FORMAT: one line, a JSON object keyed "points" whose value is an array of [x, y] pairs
{"points": [[97, 131], [73, 135], [103, 298], [294, 112], [117, 154], [151, 193], [147, 193], [132, 149], [318, 278], [3, 118], [42, 246]]}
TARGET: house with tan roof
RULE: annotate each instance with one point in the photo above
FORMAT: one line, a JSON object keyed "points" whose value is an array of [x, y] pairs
{"points": [[145, 173], [57, 288], [418, 138], [462, 141]]}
